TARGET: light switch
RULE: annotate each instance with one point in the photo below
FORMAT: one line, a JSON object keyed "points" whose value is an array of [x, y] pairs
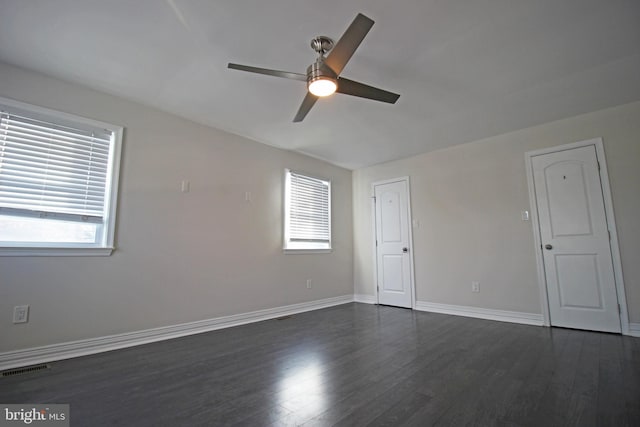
{"points": [[185, 186], [525, 215]]}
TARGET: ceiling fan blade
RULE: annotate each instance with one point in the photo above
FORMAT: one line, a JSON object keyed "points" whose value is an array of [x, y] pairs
{"points": [[348, 43], [268, 72], [350, 87], [307, 103]]}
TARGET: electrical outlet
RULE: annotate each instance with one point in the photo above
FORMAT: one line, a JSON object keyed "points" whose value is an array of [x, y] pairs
{"points": [[21, 314], [308, 283], [475, 286]]}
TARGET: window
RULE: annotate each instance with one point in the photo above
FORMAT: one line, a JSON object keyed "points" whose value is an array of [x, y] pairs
{"points": [[58, 182], [307, 224]]}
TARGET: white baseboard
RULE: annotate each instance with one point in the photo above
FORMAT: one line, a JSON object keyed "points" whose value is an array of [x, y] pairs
{"points": [[634, 330], [67, 350], [482, 313], [366, 299]]}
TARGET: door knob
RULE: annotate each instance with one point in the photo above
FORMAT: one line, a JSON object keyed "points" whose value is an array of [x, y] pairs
{"points": [[548, 247], [405, 250]]}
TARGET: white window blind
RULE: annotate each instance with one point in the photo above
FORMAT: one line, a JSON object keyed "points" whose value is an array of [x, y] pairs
{"points": [[52, 170], [58, 182], [308, 212]]}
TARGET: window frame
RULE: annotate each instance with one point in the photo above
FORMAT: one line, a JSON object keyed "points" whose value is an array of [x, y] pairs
{"points": [[286, 248], [107, 228]]}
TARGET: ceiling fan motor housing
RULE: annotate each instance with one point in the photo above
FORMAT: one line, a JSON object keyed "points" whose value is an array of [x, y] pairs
{"points": [[321, 80], [319, 70]]}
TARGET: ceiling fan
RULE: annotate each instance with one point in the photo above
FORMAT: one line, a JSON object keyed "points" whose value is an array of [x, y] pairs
{"points": [[323, 76]]}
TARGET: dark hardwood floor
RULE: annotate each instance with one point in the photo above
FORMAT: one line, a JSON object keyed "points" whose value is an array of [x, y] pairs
{"points": [[352, 365]]}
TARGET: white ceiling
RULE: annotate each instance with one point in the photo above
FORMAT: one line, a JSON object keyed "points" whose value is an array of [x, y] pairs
{"points": [[465, 69]]}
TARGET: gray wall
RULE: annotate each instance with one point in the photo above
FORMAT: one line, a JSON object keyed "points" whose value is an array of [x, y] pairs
{"points": [[208, 253], [180, 257], [468, 201]]}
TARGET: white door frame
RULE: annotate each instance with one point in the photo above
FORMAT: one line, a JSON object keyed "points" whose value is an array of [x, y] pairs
{"points": [[611, 226], [374, 234]]}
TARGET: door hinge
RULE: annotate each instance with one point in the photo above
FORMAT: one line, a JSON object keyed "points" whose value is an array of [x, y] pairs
{"points": [[619, 309], [376, 243], [598, 166], [609, 231]]}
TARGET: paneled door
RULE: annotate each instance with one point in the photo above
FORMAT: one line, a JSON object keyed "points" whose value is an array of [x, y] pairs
{"points": [[393, 256], [578, 266]]}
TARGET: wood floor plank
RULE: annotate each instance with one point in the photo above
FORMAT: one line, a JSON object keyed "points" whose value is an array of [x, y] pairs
{"points": [[352, 365]]}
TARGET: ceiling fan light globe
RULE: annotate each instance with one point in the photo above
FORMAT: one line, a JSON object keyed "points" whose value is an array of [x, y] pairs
{"points": [[322, 86]]}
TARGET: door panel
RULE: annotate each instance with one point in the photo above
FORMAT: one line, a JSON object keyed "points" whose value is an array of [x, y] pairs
{"points": [[568, 200], [578, 281], [392, 276], [390, 214], [392, 244], [573, 227]]}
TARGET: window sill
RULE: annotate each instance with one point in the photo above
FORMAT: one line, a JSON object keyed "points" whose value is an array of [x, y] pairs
{"points": [[306, 251], [31, 251]]}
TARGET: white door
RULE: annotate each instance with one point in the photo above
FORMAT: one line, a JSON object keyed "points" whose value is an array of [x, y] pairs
{"points": [[575, 240], [393, 257]]}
